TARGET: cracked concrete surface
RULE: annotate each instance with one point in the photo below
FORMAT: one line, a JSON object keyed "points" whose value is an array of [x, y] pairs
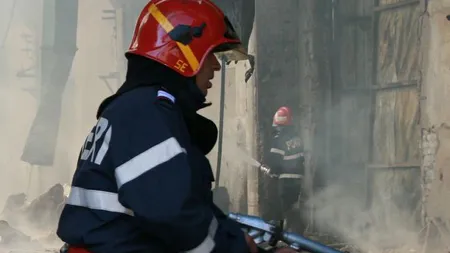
{"points": [[435, 106]]}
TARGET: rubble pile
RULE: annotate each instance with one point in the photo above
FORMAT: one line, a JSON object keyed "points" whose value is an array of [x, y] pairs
{"points": [[31, 224]]}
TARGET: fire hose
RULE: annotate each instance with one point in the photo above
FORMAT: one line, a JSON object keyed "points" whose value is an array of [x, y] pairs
{"points": [[272, 232]]}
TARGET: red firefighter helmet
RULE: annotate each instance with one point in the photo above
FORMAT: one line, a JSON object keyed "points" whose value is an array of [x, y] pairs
{"points": [[282, 117], [181, 33]]}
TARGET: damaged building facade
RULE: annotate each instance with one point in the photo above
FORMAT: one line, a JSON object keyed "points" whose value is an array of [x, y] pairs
{"points": [[370, 78]]}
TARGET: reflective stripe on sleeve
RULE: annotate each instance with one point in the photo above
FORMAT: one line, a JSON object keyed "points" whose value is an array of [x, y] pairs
{"points": [[208, 244], [148, 160], [293, 157], [290, 175], [277, 151], [96, 200]]}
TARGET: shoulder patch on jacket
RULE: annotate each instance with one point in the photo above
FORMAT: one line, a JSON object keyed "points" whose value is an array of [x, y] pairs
{"points": [[165, 99], [294, 143], [164, 95]]}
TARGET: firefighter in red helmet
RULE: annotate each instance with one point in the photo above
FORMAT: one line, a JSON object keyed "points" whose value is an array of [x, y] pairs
{"points": [[143, 182], [286, 161]]}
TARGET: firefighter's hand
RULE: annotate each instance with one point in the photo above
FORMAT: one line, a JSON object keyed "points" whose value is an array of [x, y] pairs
{"points": [[266, 170], [251, 244]]}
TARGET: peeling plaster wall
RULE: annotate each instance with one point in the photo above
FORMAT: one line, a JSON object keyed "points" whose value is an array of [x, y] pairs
{"points": [[435, 112]]}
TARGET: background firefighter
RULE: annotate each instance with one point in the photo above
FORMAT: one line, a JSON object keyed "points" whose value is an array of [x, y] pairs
{"points": [[286, 161]]}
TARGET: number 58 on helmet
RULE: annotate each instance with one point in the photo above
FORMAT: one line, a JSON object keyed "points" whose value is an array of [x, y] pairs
{"points": [[181, 33]]}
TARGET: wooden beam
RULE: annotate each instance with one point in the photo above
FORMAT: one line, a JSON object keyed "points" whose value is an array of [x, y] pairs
{"points": [[391, 7], [393, 166], [388, 86], [398, 85], [374, 77]]}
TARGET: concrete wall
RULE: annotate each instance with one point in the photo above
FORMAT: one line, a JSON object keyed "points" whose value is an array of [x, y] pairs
{"points": [[435, 106], [238, 136]]}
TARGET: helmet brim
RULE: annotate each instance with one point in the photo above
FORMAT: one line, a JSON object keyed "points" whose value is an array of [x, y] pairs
{"points": [[231, 52]]}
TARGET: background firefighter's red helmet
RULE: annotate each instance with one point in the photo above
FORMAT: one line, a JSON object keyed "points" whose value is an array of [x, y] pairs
{"points": [[282, 117], [181, 33]]}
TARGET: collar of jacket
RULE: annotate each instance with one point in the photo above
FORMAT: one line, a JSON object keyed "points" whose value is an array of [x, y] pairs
{"points": [[277, 130], [143, 72]]}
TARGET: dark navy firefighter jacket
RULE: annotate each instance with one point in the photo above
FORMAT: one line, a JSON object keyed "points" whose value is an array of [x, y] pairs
{"points": [[143, 183], [286, 156]]}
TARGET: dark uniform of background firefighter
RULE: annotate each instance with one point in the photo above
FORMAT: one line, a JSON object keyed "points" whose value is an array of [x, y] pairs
{"points": [[286, 161]]}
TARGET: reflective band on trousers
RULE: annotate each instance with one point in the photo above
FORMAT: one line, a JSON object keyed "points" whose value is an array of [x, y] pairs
{"points": [[97, 200], [208, 244], [148, 160]]}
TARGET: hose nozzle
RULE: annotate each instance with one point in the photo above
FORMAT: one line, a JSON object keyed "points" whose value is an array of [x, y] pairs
{"points": [[266, 170]]}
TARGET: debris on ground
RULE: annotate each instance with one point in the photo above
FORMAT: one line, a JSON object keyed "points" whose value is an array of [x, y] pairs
{"points": [[31, 224], [10, 235], [41, 214]]}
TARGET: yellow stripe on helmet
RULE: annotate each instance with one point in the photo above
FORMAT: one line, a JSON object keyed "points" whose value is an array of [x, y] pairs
{"points": [[167, 26]]}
